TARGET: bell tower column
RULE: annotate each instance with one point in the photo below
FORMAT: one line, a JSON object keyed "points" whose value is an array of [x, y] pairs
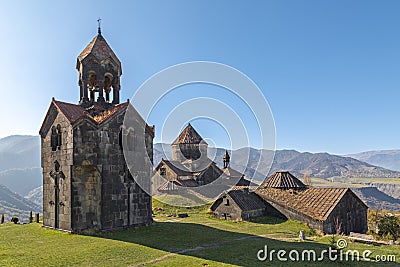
{"points": [[101, 90], [116, 88], [84, 91], [99, 72]]}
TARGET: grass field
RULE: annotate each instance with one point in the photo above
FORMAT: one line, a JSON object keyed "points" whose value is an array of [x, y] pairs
{"points": [[352, 182], [199, 240]]}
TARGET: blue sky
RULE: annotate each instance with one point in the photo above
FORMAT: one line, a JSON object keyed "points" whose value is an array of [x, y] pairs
{"points": [[330, 70]]}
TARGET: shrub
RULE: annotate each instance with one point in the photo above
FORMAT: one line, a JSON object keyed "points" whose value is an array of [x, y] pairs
{"points": [[14, 220], [30, 217], [389, 225]]}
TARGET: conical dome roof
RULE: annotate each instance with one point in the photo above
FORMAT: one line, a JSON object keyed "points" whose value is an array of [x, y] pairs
{"points": [[99, 48], [282, 180], [189, 136]]}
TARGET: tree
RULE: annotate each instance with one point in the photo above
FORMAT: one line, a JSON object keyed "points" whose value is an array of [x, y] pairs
{"points": [[389, 225], [338, 226], [14, 220], [307, 178]]}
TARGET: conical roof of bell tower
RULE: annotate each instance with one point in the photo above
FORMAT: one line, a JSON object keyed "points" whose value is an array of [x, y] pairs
{"points": [[100, 49], [189, 136]]}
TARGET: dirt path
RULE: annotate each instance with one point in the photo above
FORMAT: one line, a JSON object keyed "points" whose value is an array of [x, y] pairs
{"points": [[206, 246], [201, 247]]}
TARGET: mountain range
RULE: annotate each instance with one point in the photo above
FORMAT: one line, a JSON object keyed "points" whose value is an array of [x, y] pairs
{"points": [[20, 171], [321, 165], [13, 204], [389, 159]]}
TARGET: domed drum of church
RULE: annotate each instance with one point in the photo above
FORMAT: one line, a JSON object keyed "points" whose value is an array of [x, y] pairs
{"points": [[87, 184]]}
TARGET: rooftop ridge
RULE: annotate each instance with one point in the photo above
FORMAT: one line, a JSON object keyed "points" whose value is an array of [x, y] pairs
{"points": [[189, 136]]}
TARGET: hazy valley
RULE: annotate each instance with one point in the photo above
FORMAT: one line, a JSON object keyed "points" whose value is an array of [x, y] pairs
{"points": [[21, 176]]}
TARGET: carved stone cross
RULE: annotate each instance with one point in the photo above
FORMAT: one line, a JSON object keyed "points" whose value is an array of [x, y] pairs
{"points": [[56, 175]]}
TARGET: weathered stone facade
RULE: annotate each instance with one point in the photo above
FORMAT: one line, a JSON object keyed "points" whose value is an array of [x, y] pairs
{"points": [[328, 210], [238, 204], [351, 214], [190, 167], [348, 214], [87, 184]]}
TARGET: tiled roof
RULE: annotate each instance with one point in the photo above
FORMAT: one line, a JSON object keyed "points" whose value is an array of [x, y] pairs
{"points": [[243, 187], [232, 172], [163, 187], [316, 203], [176, 167], [178, 183], [187, 182], [96, 112], [108, 113], [247, 201], [229, 172], [282, 180], [71, 111], [189, 136], [100, 49]]}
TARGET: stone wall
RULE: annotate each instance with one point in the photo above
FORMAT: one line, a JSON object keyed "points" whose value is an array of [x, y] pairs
{"points": [[226, 210], [295, 215], [123, 202], [64, 157], [351, 214], [210, 175], [182, 152], [169, 174], [246, 215]]}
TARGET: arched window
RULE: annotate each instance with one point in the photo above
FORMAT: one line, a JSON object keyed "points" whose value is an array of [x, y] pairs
{"points": [[131, 139], [107, 85], [53, 139], [92, 85], [59, 137], [120, 140]]}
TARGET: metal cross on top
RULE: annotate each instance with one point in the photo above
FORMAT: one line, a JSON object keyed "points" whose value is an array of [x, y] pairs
{"points": [[99, 25]]}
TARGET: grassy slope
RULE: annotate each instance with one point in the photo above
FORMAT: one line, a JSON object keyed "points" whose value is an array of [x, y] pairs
{"points": [[228, 243]]}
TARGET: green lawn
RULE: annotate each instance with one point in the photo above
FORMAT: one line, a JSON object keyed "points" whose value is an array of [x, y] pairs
{"points": [[199, 240]]}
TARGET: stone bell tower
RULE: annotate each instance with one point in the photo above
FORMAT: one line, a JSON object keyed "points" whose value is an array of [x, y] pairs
{"points": [[87, 184], [99, 73]]}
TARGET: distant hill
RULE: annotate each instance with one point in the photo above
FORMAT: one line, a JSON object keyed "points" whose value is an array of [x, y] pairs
{"points": [[36, 195], [389, 159], [20, 163], [13, 204], [22, 181], [19, 152], [377, 199], [325, 165], [322, 165]]}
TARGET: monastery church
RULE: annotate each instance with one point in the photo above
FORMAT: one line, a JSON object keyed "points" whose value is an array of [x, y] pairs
{"points": [[88, 184], [86, 181]]}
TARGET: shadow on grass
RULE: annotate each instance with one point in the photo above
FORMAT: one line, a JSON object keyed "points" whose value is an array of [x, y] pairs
{"points": [[208, 243], [267, 220]]}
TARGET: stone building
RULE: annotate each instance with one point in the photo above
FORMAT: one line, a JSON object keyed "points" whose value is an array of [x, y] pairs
{"points": [[329, 210], [238, 204], [86, 181], [191, 167]]}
